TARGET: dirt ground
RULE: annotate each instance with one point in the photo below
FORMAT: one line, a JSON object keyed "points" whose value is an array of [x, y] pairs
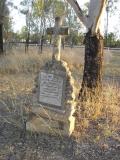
{"points": [[15, 146]]}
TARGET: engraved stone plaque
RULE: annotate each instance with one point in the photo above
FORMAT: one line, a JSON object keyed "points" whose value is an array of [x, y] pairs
{"points": [[51, 89]]}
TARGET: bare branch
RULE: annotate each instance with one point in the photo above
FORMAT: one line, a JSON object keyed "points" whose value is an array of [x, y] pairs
{"points": [[96, 9], [74, 4]]}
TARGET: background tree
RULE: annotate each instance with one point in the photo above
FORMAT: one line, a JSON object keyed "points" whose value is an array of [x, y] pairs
{"points": [[7, 29], [27, 6], [111, 7], [2, 15], [5, 22], [45, 12], [111, 40]]}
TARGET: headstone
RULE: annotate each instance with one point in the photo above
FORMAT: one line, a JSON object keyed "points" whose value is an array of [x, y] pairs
{"points": [[54, 99], [51, 89]]}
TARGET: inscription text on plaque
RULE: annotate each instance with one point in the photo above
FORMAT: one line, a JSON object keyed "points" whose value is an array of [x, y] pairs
{"points": [[51, 89]]}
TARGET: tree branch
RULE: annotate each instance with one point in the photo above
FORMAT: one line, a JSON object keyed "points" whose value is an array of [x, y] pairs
{"points": [[74, 4], [92, 21], [98, 14]]}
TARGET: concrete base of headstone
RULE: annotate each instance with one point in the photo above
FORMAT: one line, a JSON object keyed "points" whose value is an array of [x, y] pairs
{"points": [[54, 120], [51, 126]]}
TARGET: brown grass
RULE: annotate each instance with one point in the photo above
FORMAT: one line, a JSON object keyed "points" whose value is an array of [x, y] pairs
{"points": [[21, 62], [16, 89]]}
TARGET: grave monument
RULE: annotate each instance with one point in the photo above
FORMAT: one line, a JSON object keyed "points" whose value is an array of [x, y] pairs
{"points": [[54, 99]]}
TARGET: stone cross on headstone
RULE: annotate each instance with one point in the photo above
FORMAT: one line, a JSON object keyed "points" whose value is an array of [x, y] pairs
{"points": [[57, 31]]}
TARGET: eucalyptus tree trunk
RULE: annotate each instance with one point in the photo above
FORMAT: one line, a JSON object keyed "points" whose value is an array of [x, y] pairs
{"points": [[1, 38], [92, 76]]}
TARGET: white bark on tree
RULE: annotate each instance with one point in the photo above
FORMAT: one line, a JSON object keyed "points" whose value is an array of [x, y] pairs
{"points": [[93, 19], [96, 11], [74, 4]]}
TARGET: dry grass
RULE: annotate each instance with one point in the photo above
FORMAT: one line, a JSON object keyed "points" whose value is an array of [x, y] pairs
{"points": [[16, 89], [100, 118], [112, 64], [20, 62], [74, 57], [17, 61]]}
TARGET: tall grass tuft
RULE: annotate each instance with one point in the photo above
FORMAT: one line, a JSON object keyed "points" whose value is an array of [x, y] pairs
{"points": [[102, 115]]}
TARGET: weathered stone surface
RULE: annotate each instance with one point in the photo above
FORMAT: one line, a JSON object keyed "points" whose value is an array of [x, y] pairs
{"points": [[39, 124], [54, 114], [48, 117]]}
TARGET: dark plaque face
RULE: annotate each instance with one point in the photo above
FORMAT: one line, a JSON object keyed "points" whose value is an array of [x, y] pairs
{"points": [[51, 89]]}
